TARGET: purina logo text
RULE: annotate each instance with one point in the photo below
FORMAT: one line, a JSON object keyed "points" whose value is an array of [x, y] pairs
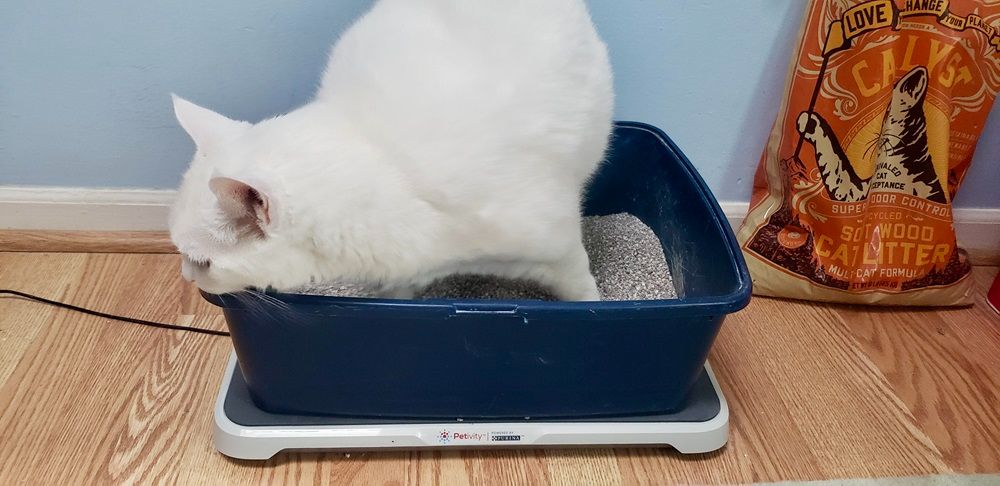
{"points": [[505, 438]]}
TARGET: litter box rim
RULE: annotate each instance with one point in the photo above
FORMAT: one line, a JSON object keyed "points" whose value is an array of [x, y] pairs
{"points": [[622, 309]]}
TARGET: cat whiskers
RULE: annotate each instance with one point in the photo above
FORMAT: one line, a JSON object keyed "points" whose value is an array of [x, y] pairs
{"points": [[882, 141], [872, 145], [268, 305], [273, 301]]}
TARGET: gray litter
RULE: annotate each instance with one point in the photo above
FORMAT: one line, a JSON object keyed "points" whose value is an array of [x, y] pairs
{"points": [[626, 259]]}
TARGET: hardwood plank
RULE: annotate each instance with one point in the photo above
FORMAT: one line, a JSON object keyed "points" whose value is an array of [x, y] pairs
{"points": [[980, 336], [86, 241], [444, 468], [942, 364], [518, 466], [20, 320], [106, 399], [573, 467], [806, 404]]}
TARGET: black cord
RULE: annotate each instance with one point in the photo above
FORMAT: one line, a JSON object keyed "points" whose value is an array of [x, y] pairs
{"points": [[132, 320]]}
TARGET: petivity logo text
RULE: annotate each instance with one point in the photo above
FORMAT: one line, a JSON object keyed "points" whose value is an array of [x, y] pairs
{"points": [[445, 437]]}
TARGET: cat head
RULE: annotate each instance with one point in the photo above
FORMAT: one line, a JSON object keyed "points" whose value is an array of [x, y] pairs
{"points": [[905, 111], [227, 221]]}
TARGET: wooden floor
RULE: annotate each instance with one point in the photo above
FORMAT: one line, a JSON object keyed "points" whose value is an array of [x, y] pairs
{"points": [[815, 391]]}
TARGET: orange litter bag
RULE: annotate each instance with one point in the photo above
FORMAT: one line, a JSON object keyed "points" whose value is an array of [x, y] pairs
{"points": [[882, 110]]}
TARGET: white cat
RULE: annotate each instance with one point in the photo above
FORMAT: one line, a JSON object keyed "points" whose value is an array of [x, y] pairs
{"points": [[448, 136]]}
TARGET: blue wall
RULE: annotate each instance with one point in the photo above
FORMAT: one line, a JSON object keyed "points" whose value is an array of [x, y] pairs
{"points": [[84, 85]]}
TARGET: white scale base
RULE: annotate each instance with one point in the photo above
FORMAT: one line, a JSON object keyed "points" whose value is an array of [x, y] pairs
{"points": [[264, 441]]}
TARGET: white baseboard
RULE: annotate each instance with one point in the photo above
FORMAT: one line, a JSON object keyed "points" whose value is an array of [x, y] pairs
{"points": [[84, 209], [63, 208], [735, 212]]}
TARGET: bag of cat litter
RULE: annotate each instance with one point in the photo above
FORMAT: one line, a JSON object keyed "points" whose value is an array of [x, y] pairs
{"points": [[882, 110]]}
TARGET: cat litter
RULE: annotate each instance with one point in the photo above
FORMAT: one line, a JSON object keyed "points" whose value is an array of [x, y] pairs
{"points": [[626, 259]]}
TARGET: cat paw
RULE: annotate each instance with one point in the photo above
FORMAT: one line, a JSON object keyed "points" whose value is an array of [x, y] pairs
{"points": [[588, 295], [570, 278], [401, 293], [809, 126], [581, 289]]}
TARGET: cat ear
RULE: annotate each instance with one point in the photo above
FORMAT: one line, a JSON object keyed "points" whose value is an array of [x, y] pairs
{"points": [[248, 208], [914, 85], [204, 126]]}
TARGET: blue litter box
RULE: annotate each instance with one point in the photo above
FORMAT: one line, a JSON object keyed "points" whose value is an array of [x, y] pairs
{"points": [[503, 360]]}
